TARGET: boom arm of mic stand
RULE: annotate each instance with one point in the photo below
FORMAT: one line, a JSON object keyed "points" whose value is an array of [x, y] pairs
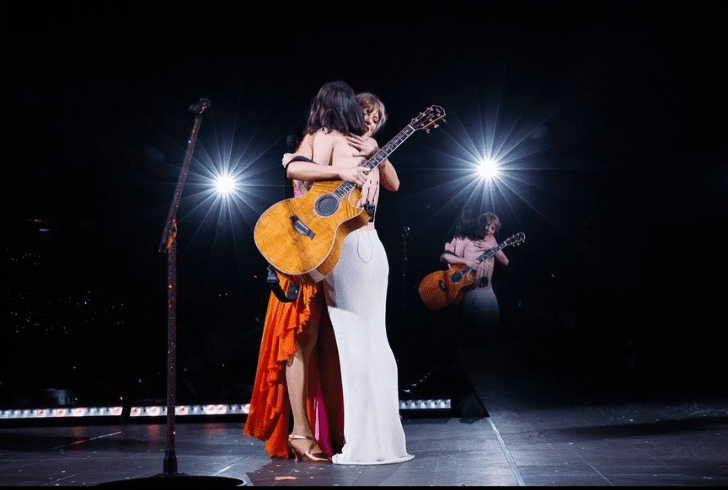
{"points": [[170, 227]]}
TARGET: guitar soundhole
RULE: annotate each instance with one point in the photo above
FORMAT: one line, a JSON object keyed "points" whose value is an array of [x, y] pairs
{"points": [[456, 277], [326, 205]]}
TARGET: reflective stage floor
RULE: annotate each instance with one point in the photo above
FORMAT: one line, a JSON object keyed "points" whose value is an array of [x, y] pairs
{"points": [[533, 434]]}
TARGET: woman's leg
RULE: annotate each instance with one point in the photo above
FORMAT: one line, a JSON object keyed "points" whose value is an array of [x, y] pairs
{"points": [[297, 380]]}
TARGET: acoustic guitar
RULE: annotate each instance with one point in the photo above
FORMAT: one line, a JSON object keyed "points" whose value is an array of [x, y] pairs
{"points": [[302, 237], [442, 288]]}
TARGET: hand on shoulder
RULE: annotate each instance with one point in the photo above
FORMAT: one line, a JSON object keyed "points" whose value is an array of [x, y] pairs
{"points": [[367, 146]]}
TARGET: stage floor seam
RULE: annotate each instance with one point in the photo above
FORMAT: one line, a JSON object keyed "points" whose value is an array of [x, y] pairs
{"points": [[508, 455]]}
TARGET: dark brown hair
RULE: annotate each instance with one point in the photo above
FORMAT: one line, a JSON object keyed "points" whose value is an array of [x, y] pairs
{"points": [[467, 224], [335, 108]]}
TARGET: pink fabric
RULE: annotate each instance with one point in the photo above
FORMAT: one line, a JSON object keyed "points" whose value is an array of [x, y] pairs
{"points": [[321, 429]]}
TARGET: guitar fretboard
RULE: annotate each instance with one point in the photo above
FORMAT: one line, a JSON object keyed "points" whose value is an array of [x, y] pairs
{"points": [[486, 256], [491, 252], [344, 189]]}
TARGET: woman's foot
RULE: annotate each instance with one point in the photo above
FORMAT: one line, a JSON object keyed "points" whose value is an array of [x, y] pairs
{"points": [[307, 449]]}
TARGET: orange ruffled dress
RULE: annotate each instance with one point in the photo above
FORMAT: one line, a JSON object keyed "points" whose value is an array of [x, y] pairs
{"points": [[269, 417]]}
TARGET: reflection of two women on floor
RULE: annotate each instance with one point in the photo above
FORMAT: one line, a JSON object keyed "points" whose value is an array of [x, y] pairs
{"points": [[474, 235], [325, 357]]}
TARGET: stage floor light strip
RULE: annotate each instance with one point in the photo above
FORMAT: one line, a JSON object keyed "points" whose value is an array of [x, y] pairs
{"points": [[180, 410], [70, 412], [441, 404], [183, 410]]}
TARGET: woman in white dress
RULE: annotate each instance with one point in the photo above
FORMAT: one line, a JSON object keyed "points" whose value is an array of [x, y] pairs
{"points": [[356, 290]]}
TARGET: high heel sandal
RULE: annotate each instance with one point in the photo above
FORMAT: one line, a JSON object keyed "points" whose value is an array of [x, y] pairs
{"points": [[308, 456]]}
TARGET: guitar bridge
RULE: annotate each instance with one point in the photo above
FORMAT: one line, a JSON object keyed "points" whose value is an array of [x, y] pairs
{"points": [[301, 228]]}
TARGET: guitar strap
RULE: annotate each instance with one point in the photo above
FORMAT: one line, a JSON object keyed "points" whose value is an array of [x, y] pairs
{"points": [[371, 209], [275, 287], [297, 158]]}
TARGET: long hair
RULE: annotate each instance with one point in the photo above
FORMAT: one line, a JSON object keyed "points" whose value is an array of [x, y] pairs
{"points": [[467, 224], [367, 99], [335, 108]]}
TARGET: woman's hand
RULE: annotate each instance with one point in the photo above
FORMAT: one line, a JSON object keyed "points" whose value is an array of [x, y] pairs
{"points": [[356, 175], [287, 157], [368, 190], [366, 146]]}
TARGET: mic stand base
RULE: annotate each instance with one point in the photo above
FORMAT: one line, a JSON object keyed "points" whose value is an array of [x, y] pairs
{"points": [[180, 479], [169, 465]]}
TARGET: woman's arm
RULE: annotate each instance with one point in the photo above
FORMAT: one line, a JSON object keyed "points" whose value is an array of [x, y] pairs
{"points": [[305, 149], [454, 253], [501, 258], [450, 258], [388, 174], [324, 169]]}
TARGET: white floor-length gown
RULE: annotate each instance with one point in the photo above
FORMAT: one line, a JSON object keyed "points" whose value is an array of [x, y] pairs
{"points": [[356, 295], [480, 308]]}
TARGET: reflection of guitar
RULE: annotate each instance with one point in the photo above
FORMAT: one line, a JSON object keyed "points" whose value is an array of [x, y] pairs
{"points": [[302, 237], [442, 288]]}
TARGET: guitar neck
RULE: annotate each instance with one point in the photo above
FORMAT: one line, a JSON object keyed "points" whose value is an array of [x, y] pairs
{"points": [[387, 149], [377, 158], [491, 252]]}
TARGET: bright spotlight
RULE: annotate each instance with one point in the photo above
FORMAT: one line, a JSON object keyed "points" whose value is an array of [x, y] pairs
{"points": [[488, 168], [225, 184]]}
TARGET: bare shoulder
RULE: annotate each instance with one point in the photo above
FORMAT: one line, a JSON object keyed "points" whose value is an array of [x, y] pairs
{"points": [[331, 137], [323, 146]]}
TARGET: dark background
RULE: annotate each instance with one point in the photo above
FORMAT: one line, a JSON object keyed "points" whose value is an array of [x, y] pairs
{"points": [[613, 112]]}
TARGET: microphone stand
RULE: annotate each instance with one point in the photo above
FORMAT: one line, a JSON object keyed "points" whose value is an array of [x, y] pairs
{"points": [[168, 245]]}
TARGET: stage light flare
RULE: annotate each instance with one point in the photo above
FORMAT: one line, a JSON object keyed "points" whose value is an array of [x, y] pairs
{"points": [[488, 168], [225, 184]]}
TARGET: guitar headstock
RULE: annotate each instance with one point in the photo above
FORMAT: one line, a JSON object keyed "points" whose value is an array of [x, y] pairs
{"points": [[430, 118], [516, 239]]}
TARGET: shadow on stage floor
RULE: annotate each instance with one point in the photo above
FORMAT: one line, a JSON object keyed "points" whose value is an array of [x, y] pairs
{"points": [[537, 428]]}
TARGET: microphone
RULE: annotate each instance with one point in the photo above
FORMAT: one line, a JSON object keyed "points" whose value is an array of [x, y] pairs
{"points": [[291, 143], [200, 106]]}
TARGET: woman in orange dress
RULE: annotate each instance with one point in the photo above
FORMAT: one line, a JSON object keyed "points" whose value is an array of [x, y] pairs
{"points": [[297, 346]]}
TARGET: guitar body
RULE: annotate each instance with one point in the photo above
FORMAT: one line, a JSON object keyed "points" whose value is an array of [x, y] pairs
{"points": [[302, 237], [443, 288]]}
